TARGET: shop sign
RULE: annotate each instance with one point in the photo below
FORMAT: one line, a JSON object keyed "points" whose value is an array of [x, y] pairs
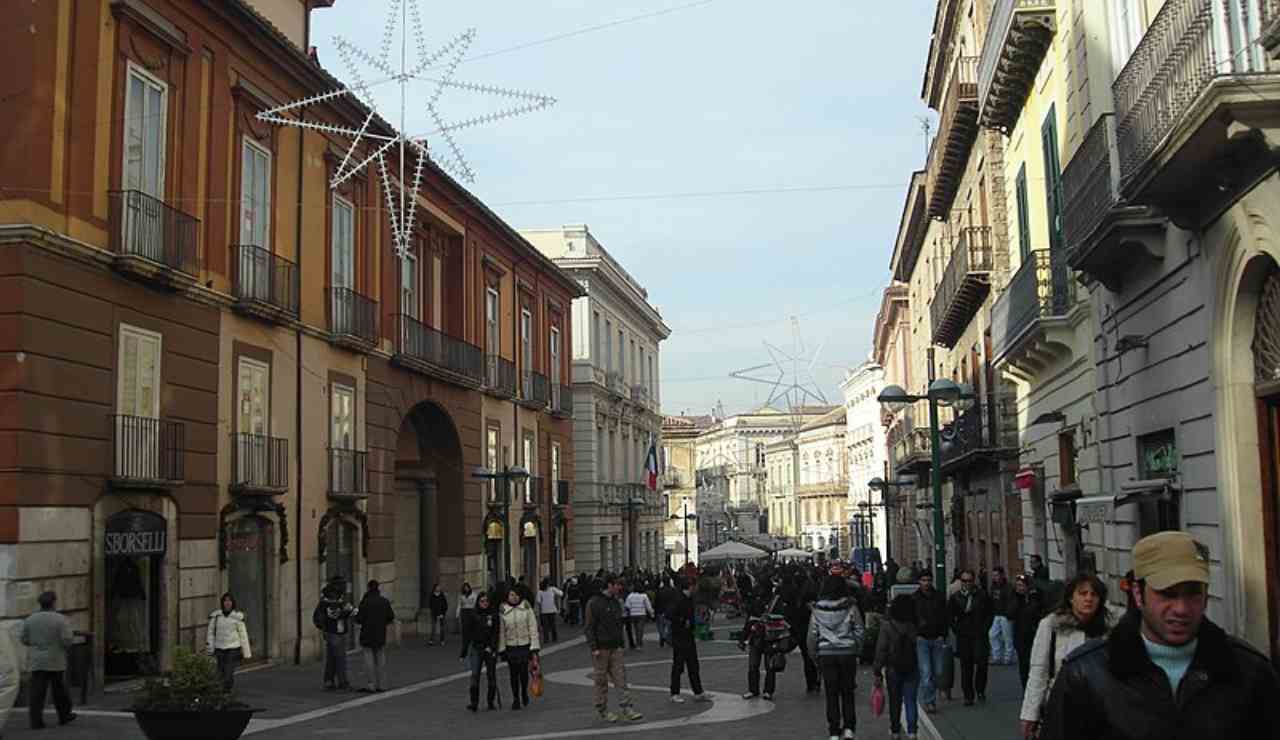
{"points": [[135, 533]]}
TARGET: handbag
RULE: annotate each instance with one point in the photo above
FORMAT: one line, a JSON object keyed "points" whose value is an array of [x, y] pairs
{"points": [[535, 681], [245, 651], [877, 701]]}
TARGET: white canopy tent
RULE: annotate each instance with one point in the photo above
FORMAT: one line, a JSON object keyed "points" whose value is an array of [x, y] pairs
{"points": [[732, 551], [793, 552]]}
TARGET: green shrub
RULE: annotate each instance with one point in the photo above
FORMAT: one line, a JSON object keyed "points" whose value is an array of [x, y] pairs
{"points": [[193, 685]]}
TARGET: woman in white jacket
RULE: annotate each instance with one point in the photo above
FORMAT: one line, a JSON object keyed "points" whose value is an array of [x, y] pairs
{"points": [[637, 609], [518, 644], [1082, 615], [227, 640]]}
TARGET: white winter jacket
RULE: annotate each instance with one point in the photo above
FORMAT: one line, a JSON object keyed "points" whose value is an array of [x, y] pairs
{"points": [[519, 627], [638, 605], [225, 630], [1069, 637]]}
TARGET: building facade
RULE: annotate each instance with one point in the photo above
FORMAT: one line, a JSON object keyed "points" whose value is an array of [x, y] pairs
{"points": [[616, 405], [217, 375], [822, 491], [679, 439], [868, 457]]}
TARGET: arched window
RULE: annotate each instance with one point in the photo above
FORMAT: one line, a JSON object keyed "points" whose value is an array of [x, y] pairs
{"points": [[1266, 332]]}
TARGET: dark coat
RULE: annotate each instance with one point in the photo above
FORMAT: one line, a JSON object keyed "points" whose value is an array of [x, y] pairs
{"points": [[931, 614], [1028, 610], [439, 604], [681, 616], [604, 623], [1001, 599], [480, 628], [1110, 690], [974, 622], [374, 615], [333, 614]]}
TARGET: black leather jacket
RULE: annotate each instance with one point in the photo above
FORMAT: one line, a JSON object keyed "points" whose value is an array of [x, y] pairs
{"points": [[1110, 690]]}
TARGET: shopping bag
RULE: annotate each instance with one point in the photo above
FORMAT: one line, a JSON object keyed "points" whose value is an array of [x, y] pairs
{"points": [[877, 701], [535, 685]]}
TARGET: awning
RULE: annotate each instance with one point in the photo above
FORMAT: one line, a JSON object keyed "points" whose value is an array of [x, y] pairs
{"points": [[1025, 479]]}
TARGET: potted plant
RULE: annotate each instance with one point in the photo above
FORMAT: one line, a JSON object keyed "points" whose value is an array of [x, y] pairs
{"points": [[190, 702]]}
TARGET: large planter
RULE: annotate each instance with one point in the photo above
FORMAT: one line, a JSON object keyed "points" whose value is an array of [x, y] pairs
{"points": [[221, 725]]}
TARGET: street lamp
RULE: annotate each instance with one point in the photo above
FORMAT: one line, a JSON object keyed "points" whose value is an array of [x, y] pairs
{"points": [[633, 504], [687, 517], [946, 394], [499, 504]]}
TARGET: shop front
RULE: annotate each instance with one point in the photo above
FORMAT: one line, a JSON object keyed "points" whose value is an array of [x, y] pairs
{"points": [[135, 543]]}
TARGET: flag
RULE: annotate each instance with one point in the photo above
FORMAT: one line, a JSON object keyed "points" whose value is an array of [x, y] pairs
{"points": [[651, 464]]}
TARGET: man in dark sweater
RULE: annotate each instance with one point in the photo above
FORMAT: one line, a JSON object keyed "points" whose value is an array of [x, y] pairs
{"points": [[931, 638], [684, 649], [374, 615], [970, 612], [604, 636]]}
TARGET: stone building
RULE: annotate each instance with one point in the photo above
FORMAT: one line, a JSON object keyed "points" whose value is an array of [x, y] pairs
{"points": [[679, 440], [868, 457], [822, 490]]}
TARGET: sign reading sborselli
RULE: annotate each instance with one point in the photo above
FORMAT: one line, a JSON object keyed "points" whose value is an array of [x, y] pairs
{"points": [[134, 533]]}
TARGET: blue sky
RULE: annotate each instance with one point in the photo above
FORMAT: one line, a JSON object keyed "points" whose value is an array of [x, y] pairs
{"points": [[712, 96]]}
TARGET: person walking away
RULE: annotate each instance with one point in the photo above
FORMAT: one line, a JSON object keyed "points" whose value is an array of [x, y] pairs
{"points": [[518, 644], [891, 570], [1166, 671], [480, 634], [970, 611], [684, 648], [1001, 636], [800, 595], [439, 605], [572, 600], [47, 635], [753, 640], [548, 609], [332, 616], [603, 632], [1028, 610], [638, 609], [931, 638], [665, 603], [226, 639], [374, 615], [896, 665], [835, 640], [466, 601]]}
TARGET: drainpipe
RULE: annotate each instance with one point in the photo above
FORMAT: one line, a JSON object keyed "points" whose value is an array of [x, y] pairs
{"points": [[297, 436]]}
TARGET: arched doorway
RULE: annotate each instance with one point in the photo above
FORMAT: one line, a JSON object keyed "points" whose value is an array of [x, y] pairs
{"points": [[429, 521], [248, 548], [1266, 368]]}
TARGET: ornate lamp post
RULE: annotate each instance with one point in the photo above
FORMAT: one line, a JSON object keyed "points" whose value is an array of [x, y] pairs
{"points": [[687, 517], [498, 502]]}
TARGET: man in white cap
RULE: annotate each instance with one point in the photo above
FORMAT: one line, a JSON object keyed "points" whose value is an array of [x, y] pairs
{"points": [[1165, 671]]}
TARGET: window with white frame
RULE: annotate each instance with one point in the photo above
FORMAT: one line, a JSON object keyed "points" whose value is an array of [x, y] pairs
{"points": [[343, 243], [529, 452], [555, 471], [138, 404], [255, 195], [1128, 23], [491, 333], [145, 119], [410, 286]]}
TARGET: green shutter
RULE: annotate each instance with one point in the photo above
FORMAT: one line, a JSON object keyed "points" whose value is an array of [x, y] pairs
{"points": [[1024, 215], [1052, 177]]}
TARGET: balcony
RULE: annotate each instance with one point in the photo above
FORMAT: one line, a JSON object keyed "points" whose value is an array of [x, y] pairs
{"points": [[957, 129], [430, 352], [1198, 95], [265, 285], [535, 390], [147, 453], [353, 319], [347, 475], [1105, 238], [499, 377], [675, 478], [1017, 41], [640, 396], [974, 437], [533, 492], [909, 439], [259, 464], [561, 401], [613, 382], [965, 285], [1028, 327], [560, 494], [153, 241]]}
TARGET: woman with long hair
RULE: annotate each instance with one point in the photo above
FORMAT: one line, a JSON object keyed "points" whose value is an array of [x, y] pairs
{"points": [[835, 641], [519, 644], [480, 627], [227, 638], [1082, 615], [896, 664]]}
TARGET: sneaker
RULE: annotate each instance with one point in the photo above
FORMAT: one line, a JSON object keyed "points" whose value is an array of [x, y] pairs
{"points": [[677, 699], [607, 716], [750, 695], [630, 715], [767, 697], [848, 735], [835, 737], [701, 698], [68, 719]]}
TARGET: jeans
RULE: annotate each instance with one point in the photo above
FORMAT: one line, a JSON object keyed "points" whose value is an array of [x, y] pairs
{"points": [[664, 630], [437, 628], [839, 673], [227, 662], [685, 656], [41, 681], [518, 666], [605, 667], [482, 660], [972, 651], [754, 658], [549, 633], [903, 688], [635, 631], [572, 609], [1001, 638], [375, 667], [335, 659], [929, 655]]}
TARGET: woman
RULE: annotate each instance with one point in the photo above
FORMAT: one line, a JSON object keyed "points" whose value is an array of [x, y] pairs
{"points": [[835, 640], [439, 610], [227, 639], [518, 643], [896, 665], [548, 608], [480, 628], [637, 609], [1082, 615]]}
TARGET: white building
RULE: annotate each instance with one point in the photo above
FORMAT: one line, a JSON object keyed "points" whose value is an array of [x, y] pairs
{"points": [[868, 455], [618, 521], [823, 484]]}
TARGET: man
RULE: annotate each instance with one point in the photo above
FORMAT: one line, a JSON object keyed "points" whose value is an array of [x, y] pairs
{"points": [[1002, 602], [970, 612], [1028, 610], [684, 650], [667, 597], [604, 636], [891, 570], [333, 617], [47, 635], [800, 594], [1039, 571], [638, 609], [1166, 670], [373, 616], [931, 638]]}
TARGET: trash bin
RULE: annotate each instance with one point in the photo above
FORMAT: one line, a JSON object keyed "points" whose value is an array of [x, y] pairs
{"points": [[80, 664]]}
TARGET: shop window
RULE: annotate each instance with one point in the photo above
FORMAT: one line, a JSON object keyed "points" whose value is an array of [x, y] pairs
{"points": [[1158, 458], [134, 545]]}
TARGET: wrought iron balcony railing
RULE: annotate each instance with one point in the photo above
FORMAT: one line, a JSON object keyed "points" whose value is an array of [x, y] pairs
{"points": [[499, 376], [976, 430], [143, 227], [264, 283], [965, 284], [1018, 38], [259, 463], [1090, 185], [535, 389], [347, 474], [428, 350], [560, 493], [957, 129], [147, 452], [1039, 289], [353, 317], [561, 400]]}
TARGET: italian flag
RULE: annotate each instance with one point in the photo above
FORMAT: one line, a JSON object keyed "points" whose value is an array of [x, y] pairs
{"points": [[651, 464]]}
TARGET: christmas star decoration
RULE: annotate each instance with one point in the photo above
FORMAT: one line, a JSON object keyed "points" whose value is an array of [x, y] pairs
{"points": [[371, 145]]}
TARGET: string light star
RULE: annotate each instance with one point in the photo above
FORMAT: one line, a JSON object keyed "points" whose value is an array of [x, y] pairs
{"points": [[371, 144]]}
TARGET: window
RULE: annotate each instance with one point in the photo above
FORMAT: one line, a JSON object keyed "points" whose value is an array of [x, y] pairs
{"points": [[653, 382], [410, 293], [139, 389], [145, 118], [595, 337], [343, 243], [1024, 215], [633, 359], [622, 355], [1052, 177], [253, 421], [608, 346], [527, 451], [613, 458], [491, 459], [1128, 22], [554, 352], [255, 195], [343, 435], [555, 462], [491, 331], [602, 456], [1066, 459]]}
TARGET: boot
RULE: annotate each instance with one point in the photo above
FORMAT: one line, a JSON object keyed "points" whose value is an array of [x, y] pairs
{"points": [[475, 698]]}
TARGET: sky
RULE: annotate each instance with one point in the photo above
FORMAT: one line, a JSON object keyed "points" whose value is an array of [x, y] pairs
{"points": [[666, 112]]}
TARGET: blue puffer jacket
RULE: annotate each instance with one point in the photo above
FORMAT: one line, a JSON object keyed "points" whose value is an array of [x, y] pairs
{"points": [[836, 628]]}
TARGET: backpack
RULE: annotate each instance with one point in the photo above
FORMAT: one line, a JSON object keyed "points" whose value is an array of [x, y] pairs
{"points": [[903, 659]]}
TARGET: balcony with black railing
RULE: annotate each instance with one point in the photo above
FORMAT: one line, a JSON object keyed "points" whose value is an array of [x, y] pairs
{"points": [[147, 453], [909, 441], [535, 390], [957, 130], [1028, 319], [499, 376], [431, 352], [153, 240], [561, 400], [964, 286], [264, 284], [533, 491], [353, 319], [560, 494], [1018, 38], [976, 436], [347, 475], [259, 464]]}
